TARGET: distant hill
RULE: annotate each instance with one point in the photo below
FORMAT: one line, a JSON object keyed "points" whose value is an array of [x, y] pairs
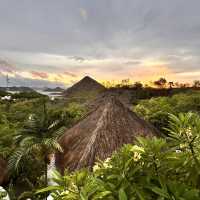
{"points": [[17, 89], [86, 89], [57, 89]]}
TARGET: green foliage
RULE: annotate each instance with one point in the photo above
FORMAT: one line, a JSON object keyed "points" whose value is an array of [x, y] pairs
{"points": [[150, 169], [7, 132], [29, 129], [37, 137], [3, 195], [75, 110], [3, 93], [156, 110], [27, 95]]}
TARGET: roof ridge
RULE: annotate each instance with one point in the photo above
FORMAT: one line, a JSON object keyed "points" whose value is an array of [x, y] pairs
{"points": [[94, 136]]}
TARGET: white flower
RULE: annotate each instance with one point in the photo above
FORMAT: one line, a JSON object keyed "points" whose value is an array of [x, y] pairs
{"points": [[182, 146], [189, 132], [136, 148], [136, 156], [107, 164], [66, 192], [96, 167], [107, 160]]}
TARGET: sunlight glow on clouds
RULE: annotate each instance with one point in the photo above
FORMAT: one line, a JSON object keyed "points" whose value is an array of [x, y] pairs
{"points": [[73, 68]]}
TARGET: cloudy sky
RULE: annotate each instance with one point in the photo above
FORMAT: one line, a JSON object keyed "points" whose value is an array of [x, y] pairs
{"points": [[49, 43]]}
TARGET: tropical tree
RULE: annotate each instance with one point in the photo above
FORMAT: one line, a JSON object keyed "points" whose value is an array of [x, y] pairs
{"points": [[196, 84], [171, 84], [37, 140], [138, 85], [161, 83]]}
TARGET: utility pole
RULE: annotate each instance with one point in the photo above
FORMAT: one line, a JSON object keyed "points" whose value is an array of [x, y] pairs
{"points": [[7, 82]]}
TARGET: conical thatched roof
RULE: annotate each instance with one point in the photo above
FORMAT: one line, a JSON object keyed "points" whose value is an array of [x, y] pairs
{"points": [[3, 171], [87, 88], [102, 131]]}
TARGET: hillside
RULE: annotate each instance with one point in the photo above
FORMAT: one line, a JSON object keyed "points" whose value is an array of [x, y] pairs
{"points": [[84, 90], [17, 89]]}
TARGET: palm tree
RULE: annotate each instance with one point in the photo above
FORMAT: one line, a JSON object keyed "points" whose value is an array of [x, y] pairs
{"points": [[171, 84], [196, 84], [38, 139]]}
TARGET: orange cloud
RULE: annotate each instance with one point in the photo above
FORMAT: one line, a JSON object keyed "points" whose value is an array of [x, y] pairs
{"points": [[41, 75], [70, 74]]}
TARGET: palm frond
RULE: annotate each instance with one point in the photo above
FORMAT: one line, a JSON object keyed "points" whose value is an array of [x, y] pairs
{"points": [[59, 132], [15, 159], [53, 144]]}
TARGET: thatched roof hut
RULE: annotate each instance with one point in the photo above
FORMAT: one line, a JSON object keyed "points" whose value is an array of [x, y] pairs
{"points": [[102, 131], [3, 171]]}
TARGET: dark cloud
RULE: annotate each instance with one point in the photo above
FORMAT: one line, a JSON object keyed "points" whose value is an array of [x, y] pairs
{"points": [[5, 66], [49, 26], [78, 58], [134, 30]]}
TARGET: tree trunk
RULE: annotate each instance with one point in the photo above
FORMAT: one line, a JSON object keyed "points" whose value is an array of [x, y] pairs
{"points": [[46, 179]]}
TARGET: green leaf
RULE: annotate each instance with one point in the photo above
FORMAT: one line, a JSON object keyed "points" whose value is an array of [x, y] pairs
{"points": [[160, 192], [48, 189], [122, 194], [101, 195]]}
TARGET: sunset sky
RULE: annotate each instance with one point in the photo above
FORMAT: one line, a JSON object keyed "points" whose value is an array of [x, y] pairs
{"points": [[51, 43]]}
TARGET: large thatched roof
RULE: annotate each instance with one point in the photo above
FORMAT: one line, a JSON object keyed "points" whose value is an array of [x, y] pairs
{"points": [[102, 131], [3, 171]]}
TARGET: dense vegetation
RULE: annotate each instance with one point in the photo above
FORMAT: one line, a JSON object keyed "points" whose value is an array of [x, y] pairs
{"points": [[165, 168], [29, 128], [156, 110]]}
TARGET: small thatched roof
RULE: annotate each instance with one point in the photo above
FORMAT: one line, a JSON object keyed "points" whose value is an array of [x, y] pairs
{"points": [[3, 171], [102, 131]]}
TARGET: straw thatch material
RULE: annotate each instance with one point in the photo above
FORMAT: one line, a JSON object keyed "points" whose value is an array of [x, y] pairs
{"points": [[101, 132], [3, 171]]}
